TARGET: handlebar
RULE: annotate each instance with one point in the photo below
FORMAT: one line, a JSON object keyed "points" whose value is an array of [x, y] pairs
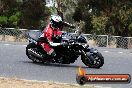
{"points": [[71, 42]]}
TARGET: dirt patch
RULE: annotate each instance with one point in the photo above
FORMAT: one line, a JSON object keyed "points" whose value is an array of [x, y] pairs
{"points": [[92, 43], [19, 83], [9, 38]]}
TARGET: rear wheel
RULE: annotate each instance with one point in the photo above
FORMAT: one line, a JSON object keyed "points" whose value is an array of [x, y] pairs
{"points": [[98, 60], [30, 56]]}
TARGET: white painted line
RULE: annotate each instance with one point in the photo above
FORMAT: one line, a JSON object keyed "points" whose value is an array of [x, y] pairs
{"points": [[120, 52], [7, 44], [106, 51], [24, 45], [101, 87]]}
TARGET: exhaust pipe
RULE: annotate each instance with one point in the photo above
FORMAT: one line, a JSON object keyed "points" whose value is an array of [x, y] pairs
{"points": [[34, 54]]}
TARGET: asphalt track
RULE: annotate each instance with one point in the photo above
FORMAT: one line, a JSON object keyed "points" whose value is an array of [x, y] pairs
{"points": [[14, 63]]}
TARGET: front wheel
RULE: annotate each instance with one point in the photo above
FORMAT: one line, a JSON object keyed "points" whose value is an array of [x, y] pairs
{"points": [[97, 60]]}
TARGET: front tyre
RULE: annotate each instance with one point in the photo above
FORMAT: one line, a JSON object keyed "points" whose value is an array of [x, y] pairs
{"points": [[98, 60]]}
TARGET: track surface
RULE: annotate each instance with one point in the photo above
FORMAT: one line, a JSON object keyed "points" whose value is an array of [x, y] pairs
{"points": [[14, 63]]}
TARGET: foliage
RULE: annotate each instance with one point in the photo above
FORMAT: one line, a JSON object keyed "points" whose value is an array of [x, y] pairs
{"points": [[99, 23], [33, 12], [23, 13], [82, 13], [112, 17], [14, 19], [66, 8], [130, 27], [9, 9], [3, 20]]}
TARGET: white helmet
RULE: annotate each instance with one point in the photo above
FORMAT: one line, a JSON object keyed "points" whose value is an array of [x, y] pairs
{"points": [[56, 21]]}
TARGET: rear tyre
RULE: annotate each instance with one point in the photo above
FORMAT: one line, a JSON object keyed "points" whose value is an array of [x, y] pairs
{"points": [[98, 60], [30, 56]]}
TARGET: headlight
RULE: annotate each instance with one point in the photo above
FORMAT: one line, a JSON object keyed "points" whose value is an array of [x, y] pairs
{"points": [[95, 51]]}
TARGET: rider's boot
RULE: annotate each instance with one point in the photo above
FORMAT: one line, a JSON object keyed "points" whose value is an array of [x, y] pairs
{"points": [[52, 57]]}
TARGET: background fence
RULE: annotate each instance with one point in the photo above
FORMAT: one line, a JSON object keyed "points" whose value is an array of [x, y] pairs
{"points": [[19, 35], [13, 35], [109, 41]]}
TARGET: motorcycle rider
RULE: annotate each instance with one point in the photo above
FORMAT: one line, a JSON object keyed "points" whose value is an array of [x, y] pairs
{"points": [[52, 32]]}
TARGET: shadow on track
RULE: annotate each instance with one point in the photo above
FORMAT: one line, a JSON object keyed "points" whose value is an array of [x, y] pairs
{"points": [[54, 64]]}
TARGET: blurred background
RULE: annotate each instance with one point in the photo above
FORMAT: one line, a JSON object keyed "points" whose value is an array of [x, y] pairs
{"points": [[106, 23]]}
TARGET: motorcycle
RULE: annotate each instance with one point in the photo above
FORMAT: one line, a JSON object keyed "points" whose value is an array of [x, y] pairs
{"points": [[75, 45]]}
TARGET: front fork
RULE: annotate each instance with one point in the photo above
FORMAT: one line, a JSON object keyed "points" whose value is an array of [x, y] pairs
{"points": [[87, 56]]}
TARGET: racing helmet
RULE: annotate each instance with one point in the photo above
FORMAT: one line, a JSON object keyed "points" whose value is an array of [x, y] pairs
{"points": [[56, 21]]}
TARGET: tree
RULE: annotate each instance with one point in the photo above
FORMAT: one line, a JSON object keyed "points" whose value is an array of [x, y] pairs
{"points": [[121, 18], [66, 8], [9, 10], [82, 13], [33, 12], [117, 12]]}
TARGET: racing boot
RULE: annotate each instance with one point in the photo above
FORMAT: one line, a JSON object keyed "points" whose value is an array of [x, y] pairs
{"points": [[53, 57]]}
